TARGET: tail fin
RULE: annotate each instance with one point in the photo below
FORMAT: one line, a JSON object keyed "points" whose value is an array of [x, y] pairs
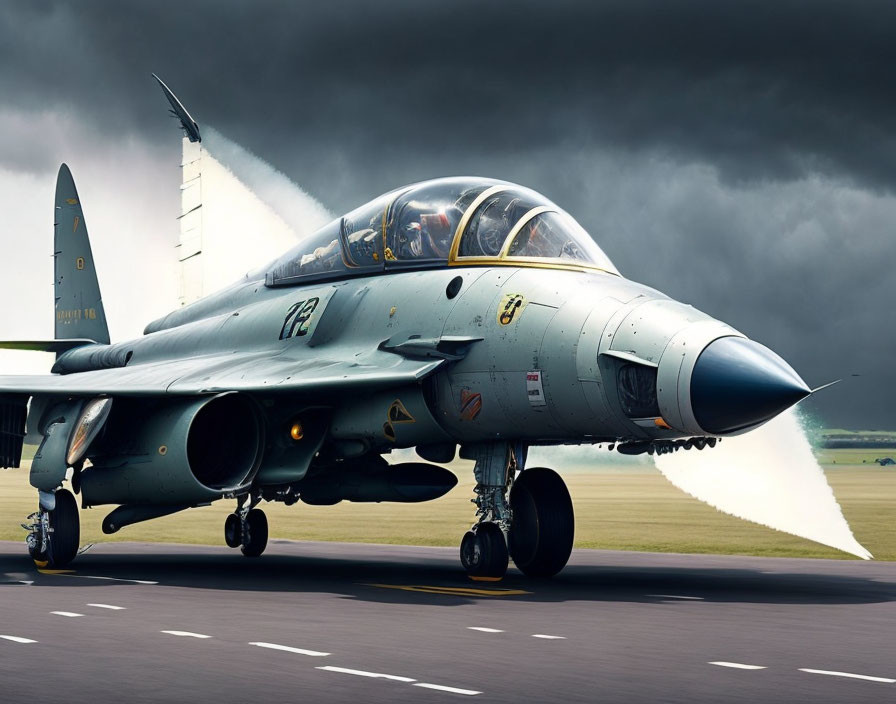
{"points": [[79, 305]]}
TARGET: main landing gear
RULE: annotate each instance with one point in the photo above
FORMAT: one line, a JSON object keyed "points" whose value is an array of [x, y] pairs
{"points": [[524, 515], [247, 527], [55, 530]]}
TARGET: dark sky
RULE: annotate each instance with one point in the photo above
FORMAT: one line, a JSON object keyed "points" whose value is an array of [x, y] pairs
{"points": [[738, 156]]}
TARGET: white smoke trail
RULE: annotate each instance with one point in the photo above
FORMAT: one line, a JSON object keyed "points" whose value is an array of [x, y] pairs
{"points": [[303, 213], [768, 476], [238, 215]]}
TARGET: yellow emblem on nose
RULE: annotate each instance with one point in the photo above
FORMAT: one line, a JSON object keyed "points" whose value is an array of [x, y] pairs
{"points": [[510, 308]]}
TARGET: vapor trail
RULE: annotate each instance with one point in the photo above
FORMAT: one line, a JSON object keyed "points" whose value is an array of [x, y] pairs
{"points": [[303, 213], [769, 476], [238, 214]]}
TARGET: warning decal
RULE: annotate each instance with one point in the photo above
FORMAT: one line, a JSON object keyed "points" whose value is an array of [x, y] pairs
{"points": [[534, 388]]}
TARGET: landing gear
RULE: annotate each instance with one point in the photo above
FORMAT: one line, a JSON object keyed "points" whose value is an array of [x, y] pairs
{"points": [[233, 531], [534, 527], [541, 537], [247, 528], [255, 533], [483, 552], [55, 531]]}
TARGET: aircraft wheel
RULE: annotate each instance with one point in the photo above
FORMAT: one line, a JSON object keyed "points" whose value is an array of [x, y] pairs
{"points": [[255, 538], [38, 555], [483, 553], [66, 531], [233, 531], [543, 523]]}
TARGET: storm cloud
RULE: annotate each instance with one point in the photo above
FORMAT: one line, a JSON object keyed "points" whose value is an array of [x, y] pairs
{"points": [[739, 157]]}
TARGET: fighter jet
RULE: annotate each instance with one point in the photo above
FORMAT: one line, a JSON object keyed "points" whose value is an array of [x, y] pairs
{"points": [[464, 313]]}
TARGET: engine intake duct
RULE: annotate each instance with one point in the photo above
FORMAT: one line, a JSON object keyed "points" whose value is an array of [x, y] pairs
{"points": [[175, 452], [374, 480], [224, 445]]}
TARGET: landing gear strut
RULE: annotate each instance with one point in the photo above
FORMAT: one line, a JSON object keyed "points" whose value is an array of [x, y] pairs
{"points": [[55, 530], [527, 516], [247, 527], [483, 551]]}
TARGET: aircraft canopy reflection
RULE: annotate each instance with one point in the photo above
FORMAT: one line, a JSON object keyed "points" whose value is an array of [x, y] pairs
{"points": [[439, 223]]}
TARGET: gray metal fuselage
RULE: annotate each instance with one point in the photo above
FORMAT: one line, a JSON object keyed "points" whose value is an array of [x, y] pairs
{"points": [[566, 321]]}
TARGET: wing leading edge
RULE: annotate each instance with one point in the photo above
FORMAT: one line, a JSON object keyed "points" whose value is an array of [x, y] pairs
{"points": [[251, 373]]}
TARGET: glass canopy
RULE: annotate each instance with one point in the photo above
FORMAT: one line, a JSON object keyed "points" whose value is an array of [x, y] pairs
{"points": [[446, 222]]}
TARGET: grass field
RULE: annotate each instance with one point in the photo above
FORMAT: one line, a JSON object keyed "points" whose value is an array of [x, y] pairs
{"points": [[619, 507]]}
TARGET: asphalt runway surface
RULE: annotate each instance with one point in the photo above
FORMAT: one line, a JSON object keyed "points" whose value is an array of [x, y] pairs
{"points": [[335, 622]]}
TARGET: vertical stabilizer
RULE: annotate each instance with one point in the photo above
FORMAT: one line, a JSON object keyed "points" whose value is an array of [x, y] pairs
{"points": [[79, 305]]}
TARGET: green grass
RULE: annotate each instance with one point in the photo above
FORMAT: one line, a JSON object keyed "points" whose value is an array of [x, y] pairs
{"points": [[854, 456], [619, 508]]}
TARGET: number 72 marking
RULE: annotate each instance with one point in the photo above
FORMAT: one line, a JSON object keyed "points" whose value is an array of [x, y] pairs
{"points": [[298, 318]]}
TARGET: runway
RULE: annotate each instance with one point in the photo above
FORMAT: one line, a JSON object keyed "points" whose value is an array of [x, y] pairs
{"points": [[332, 622]]}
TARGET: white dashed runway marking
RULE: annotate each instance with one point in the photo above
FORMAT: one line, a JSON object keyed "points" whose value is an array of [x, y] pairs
{"points": [[69, 614], [674, 596], [290, 649], [18, 639], [443, 688], [398, 678], [483, 629], [107, 606], [364, 673], [186, 634], [850, 675], [547, 637], [737, 665], [112, 579]]}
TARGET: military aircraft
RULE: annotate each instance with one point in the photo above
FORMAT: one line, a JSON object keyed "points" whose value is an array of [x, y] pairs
{"points": [[457, 312]]}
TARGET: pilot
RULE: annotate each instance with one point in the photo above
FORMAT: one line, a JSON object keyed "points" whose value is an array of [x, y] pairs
{"points": [[428, 238], [410, 242]]}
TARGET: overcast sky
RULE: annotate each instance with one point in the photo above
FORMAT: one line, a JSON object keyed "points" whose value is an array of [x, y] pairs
{"points": [[738, 156]]}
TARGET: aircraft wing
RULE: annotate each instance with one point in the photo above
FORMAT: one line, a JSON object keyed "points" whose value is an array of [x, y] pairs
{"points": [[259, 372]]}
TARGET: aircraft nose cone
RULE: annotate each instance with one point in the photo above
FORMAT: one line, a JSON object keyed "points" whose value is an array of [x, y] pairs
{"points": [[738, 383]]}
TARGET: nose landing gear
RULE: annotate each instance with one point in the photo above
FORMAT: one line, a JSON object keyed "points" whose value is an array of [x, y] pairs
{"points": [[535, 527], [483, 552]]}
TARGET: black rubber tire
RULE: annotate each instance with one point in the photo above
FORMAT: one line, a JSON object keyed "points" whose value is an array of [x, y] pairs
{"points": [[257, 528], [233, 531], [483, 553], [66, 535], [40, 558], [543, 523]]}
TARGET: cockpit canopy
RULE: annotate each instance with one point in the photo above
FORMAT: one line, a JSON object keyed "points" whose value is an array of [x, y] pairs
{"points": [[445, 222]]}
